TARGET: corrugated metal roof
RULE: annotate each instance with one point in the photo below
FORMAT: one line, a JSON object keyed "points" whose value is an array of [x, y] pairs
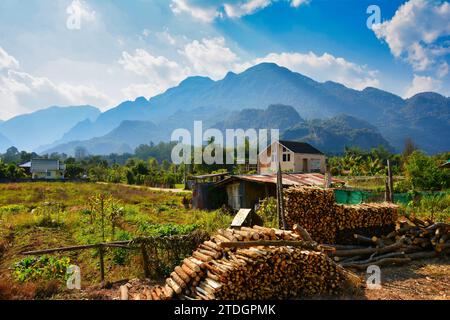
{"points": [[305, 179]]}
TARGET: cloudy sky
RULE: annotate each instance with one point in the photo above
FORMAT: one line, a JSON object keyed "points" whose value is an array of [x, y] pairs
{"points": [[101, 52]]}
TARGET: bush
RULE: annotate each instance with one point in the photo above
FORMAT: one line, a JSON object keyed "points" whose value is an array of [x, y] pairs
{"points": [[120, 256], [268, 212], [169, 229], [44, 267], [424, 174], [436, 207]]}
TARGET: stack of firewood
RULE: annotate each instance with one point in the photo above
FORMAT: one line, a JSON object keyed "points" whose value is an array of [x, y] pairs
{"points": [[412, 239], [312, 208], [315, 210], [253, 263], [271, 273], [365, 219]]}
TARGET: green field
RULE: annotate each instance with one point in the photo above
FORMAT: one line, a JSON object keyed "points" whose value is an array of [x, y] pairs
{"points": [[29, 221]]}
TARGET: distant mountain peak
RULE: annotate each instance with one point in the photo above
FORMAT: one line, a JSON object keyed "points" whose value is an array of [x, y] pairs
{"points": [[427, 95], [196, 80], [141, 100]]}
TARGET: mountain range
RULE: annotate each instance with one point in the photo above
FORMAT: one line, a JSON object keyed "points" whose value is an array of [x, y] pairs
{"points": [[29, 131], [370, 116]]}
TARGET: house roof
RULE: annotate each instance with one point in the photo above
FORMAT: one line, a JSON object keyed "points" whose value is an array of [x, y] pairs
{"points": [[300, 147], [26, 165], [289, 179]]}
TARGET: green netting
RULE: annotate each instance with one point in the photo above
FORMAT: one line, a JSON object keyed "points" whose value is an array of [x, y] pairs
{"points": [[357, 196], [354, 196]]}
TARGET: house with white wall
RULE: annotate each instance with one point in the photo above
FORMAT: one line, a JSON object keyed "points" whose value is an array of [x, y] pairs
{"points": [[48, 169], [299, 157]]}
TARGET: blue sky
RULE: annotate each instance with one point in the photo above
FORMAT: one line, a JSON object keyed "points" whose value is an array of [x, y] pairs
{"points": [[99, 52]]}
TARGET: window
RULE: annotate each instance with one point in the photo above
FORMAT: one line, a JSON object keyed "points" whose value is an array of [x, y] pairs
{"points": [[289, 157], [49, 174], [284, 149], [284, 157]]}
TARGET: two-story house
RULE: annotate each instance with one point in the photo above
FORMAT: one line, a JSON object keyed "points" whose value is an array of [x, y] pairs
{"points": [[293, 157]]}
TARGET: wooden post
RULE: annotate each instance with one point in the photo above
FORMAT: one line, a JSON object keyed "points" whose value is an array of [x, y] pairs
{"points": [[102, 264], [280, 199], [145, 260], [390, 182], [185, 176], [327, 175]]}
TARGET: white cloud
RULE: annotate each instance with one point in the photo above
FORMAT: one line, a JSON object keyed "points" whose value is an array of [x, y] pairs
{"points": [[208, 11], [298, 3], [166, 37], [414, 33], [158, 73], [210, 57], [422, 84], [200, 12], [442, 70], [7, 61], [22, 92], [81, 11], [145, 64], [245, 8], [325, 67]]}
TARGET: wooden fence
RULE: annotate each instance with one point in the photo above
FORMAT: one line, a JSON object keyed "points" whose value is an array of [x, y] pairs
{"points": [[148, 247]]}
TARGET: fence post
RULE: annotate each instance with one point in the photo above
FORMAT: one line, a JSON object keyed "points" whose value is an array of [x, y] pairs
{"points": [[145, 259]]}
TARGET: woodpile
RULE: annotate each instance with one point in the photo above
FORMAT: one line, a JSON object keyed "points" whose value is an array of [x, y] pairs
{"points": [[412, 239], [254, 263], [315, 210], [265, 263], [271, 273], [365, 219]]}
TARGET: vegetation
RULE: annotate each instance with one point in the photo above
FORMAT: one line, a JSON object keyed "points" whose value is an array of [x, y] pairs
{"points": [[435, 207], [48, 215], [268, 212], [44, 267]]}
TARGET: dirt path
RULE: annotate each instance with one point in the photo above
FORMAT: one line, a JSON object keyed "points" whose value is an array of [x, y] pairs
{"points": [[421, 280]]}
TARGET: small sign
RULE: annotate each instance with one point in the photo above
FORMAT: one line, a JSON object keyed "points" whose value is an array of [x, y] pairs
{"points": [[241, 217]]}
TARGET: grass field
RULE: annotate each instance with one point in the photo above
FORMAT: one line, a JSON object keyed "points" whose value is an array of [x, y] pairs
{"points": [[143, 212]]}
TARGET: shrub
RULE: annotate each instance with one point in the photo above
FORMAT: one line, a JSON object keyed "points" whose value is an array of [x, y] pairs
{"points": [[44, 267], [424, 174], [268, 212], [436, 207], [169, 229], [13, 208]]}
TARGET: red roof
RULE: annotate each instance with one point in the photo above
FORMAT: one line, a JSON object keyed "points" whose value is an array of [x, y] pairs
{"points": [[299, 179]]}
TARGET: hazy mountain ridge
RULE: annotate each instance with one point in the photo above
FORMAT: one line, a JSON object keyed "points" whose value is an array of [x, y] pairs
{"points": [[334, 134], [329, 135], [123, 139], [424, 117], [5, 143], [29, 131]]}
